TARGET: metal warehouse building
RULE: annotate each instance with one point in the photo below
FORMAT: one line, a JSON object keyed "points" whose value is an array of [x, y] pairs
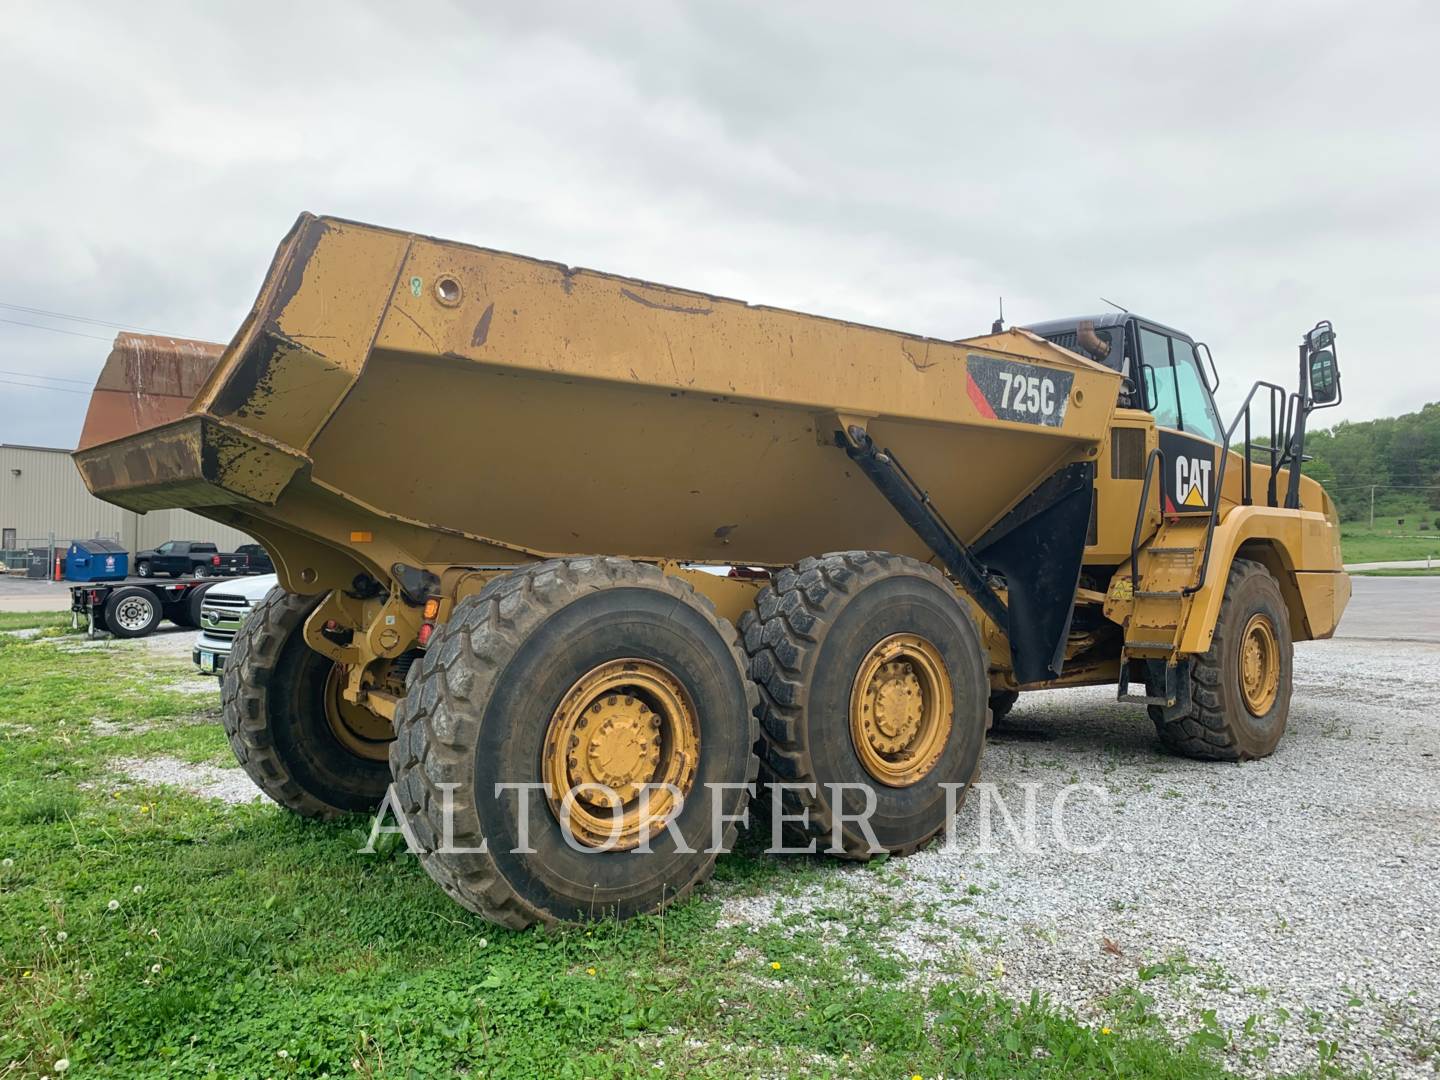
{"points": [[42, 497]]}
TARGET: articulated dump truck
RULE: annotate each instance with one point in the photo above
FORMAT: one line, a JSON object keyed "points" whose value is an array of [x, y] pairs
{"points": [[578, 562]]}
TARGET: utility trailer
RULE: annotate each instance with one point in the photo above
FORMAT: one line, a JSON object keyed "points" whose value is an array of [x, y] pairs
{"points": [[134, 607], [492, 487]]}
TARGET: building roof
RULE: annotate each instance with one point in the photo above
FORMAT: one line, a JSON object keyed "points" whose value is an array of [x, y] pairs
{"points": [[45, 449]]}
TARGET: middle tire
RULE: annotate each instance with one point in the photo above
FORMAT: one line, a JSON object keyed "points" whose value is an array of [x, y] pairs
{"points": [[871, 672], [581, 675]]}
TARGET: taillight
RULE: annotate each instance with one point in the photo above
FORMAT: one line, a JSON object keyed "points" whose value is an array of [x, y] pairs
{"points": [[427, 628], [215, 561]]}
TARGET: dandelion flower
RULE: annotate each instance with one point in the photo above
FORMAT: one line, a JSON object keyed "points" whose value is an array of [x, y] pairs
{"points": [[114, 905], [482, 943], [154, 969], [27, 974], [282, 1053], [62, 937], [144, 809], [1105, 1031], [138, 889], [917, 1076], [62, 1064], [774, 965], [7, 863], [589, 971]]}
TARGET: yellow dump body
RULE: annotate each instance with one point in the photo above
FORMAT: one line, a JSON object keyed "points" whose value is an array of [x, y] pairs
{"points": [[393, 397]]}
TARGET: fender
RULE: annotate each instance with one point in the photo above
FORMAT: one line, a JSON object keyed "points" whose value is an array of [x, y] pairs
{"points": [[1300, 548]]}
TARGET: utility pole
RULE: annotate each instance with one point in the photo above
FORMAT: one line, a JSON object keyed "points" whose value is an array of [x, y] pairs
{"points": [[1372, 507]]}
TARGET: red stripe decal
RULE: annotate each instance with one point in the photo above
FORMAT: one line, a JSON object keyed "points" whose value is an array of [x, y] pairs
{"points": [[977, 397]]}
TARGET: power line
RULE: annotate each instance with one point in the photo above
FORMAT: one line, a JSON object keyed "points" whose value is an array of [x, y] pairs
{"points": [[75, 318], [38, 386], [52, 378], [53, 329]]}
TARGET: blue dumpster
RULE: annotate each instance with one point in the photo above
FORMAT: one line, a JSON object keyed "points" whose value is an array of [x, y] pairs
{"points": [[96, 560]]}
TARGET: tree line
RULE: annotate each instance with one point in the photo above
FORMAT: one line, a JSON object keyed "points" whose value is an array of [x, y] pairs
{"points": [[1398, 455]]}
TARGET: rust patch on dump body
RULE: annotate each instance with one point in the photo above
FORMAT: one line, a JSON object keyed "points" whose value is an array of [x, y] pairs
{"points": [[147, 380]]}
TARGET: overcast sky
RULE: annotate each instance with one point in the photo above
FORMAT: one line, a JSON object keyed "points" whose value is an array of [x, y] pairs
{"points": [[1237, 170]]}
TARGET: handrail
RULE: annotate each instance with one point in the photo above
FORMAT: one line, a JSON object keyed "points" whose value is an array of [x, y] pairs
{"points": [[1155, 455], [1281, 453]]}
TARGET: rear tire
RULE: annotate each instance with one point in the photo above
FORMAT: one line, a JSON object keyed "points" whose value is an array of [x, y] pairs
{"points": [[142, 568], [273, 706], [1232, 718], [132, 612], [812, 640], [186, 612], [482, 711]]}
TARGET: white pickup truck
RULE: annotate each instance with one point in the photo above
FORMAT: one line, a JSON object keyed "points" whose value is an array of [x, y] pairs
{"points": [[222, 610]]}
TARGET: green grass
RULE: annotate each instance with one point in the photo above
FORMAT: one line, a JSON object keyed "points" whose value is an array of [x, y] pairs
{"points": [[29, 620], [1393, 543], [204, 940]]}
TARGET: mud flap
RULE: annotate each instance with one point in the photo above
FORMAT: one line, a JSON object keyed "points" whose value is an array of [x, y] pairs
{"points": [[1156, 673]]}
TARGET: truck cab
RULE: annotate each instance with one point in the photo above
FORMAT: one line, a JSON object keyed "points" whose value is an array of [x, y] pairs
{"points": [[1162, 368]]}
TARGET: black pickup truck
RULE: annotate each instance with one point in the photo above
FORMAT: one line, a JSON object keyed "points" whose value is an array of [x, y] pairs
{"points": [[259, 559], [180, 557]]}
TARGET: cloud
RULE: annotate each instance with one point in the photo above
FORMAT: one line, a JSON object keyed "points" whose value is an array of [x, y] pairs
{"points": [[1236, 171]]}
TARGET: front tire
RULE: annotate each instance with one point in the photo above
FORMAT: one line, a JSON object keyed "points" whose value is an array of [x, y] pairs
{"points": [[282, 715], [1240, 687], [568, 673], [872, 674], [142, 569]]}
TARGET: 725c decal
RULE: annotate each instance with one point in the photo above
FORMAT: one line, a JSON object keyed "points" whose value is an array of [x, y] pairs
{"points": [[1022, 393]]}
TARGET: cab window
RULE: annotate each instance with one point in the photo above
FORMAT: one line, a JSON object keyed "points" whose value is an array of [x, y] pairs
{"points": [[1175, 390], [164, 549]]}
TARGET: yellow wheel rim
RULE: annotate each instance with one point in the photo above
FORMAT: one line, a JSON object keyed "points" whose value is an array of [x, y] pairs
{"points": [[1259, 664], [900, 710], [623, 737], [364, 733]]}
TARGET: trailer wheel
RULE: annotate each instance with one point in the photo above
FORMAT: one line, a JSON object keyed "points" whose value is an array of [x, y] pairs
{"points": [[594, 678], [1240, 688], [302, 744], [872, 674], [186, 611], [132, 612]]}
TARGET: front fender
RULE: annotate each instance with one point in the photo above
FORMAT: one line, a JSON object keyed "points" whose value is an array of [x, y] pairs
{"points": [[1300, 548]]}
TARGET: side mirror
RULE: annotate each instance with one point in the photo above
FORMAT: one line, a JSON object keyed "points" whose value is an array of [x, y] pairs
{"points": [[1324, 369], [1148, 394], [1324, 377]]}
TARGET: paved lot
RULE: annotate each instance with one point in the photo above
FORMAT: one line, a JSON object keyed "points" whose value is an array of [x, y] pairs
{"points": [[28, 594], [1393, 608]]}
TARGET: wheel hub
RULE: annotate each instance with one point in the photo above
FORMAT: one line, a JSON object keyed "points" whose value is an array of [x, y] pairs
{"points": [[901, 708], [1259, 664], [364, 733], [623, 736]]}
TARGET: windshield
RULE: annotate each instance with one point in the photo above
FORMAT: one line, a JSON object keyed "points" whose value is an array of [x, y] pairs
{"points": [[1175, 389]]}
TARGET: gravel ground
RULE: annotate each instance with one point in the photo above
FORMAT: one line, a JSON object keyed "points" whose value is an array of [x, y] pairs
{"points": [[1299, 894], [227, 785]]}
